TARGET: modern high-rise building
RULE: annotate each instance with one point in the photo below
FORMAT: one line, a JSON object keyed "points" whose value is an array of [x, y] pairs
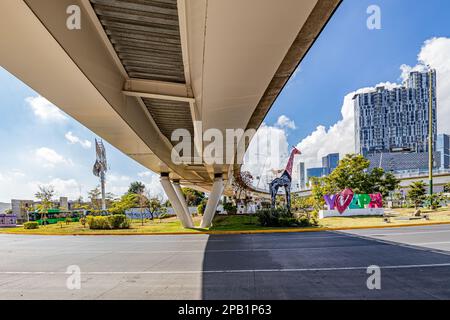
{"points": [[330, 161], [316, 172], [443, 147], [302, 176], [396, 119]]}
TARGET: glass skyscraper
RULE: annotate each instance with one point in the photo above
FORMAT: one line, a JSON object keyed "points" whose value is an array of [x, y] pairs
{"points": [[396, 119], [443, 147]]}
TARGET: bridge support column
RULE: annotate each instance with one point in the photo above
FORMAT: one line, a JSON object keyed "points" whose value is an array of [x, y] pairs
{"points": [[174, 200], [213, 201], [177, 188]]}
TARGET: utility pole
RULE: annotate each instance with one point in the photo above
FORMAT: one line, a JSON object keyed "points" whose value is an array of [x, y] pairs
{"points": [[430, 131]]}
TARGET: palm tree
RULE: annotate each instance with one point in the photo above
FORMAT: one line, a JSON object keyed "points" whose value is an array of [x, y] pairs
{"points": [[416, 193], [45, 195], [136, 187]]}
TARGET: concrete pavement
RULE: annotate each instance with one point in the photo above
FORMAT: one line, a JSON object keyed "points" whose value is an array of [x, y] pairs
{"points": [[323, 265]]}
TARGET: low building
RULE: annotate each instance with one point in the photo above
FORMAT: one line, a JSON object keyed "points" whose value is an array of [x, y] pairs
{"points": [[316, 172], [20, 209], [402, 161]]}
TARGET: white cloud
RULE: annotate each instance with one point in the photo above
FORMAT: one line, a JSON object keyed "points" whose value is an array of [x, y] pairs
{"points": [[45, 110], [19, 186], [436, 53], [118, 184], [63, 188], [152, 184], [73, 139], [49, 158], [340, 136], [112, 177], [12, 175], [285, 122], [145, 174], [268, 151]]}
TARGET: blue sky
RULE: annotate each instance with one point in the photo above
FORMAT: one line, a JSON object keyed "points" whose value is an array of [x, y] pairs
{"points": [[347, 56]]}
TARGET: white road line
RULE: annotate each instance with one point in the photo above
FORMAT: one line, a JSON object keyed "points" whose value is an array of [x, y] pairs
{"points": [[431, 243], [395, 243], [202, 251], [398, 234], [411, 266]]}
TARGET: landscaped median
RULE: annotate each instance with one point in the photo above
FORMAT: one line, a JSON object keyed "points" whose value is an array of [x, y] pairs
{"points": [[237, 224]]}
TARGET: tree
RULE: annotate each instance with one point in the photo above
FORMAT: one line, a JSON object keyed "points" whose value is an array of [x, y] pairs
{"points": [[193, 197], [241, 183], [95, 198], [434, 200], [447, 188], [136, 187], [350, 173], [388, 184], [416, 193], [154, 204], [303, 204], [127, 201], [45, 195]]}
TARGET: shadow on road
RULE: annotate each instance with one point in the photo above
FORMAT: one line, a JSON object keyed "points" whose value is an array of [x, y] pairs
{"points": [[319, 265]]}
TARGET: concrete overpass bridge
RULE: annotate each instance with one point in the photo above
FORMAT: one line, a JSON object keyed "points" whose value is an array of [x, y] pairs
{"points": [[133, 71]]}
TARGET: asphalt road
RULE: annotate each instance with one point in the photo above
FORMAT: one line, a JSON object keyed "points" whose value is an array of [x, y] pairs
{"points": [[414, 262]]}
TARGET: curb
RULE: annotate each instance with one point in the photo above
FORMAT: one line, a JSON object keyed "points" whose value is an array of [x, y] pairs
{"points": [[291, 230]]}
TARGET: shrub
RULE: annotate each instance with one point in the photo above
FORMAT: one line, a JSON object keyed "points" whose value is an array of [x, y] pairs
{"points": [[287, 222], [229, 208], [126, 224], [201, 209], [31, 225], [271, 217], [98, 222], [118, 221], [281, 217], [304, 222], [68, 220], [164, 216], [83, 221]]}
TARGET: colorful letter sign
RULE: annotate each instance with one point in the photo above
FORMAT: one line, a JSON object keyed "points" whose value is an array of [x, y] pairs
{"points": [[348, 200], [343, 200]]}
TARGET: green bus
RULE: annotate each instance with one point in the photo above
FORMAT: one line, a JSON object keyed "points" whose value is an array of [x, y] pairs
{"points": [[55, 215]]}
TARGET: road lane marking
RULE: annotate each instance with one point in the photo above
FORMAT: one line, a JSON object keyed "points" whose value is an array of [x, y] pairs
{"points": [[399, 233], [431, 243], [410, 266]]}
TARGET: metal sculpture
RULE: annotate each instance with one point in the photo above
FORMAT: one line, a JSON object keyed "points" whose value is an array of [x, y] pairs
{"points": [[100, 168], [284, 181]]}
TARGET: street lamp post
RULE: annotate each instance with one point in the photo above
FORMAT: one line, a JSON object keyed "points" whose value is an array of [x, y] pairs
{"points": [[430, 132]]}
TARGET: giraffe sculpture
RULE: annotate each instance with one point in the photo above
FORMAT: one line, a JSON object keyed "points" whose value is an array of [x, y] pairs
{"points": [[284, 181]]}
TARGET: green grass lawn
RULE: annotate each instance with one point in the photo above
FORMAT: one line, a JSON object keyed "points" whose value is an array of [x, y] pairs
{"points": [[233, 223], [157, 226]]}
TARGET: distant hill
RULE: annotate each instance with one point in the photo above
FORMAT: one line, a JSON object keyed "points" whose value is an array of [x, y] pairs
{"points": [[4, 206]]}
